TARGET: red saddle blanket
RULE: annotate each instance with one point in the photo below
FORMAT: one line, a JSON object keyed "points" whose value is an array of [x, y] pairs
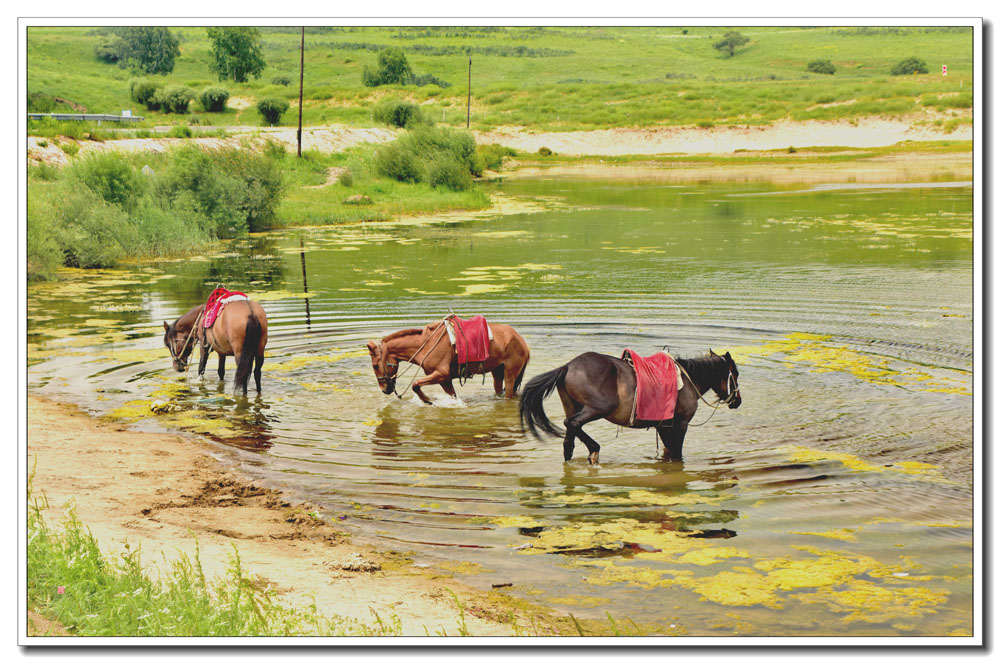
{"points": [[655, 386], [471, 338], [217, 301]]}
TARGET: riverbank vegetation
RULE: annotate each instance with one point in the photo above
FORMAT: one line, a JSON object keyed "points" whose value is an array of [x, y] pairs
{"points": [[544, 78]]}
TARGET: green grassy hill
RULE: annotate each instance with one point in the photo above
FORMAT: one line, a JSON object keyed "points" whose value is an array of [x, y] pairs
{"points": [[558, 78]]}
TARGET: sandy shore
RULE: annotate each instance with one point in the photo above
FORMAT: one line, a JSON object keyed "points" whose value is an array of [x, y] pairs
{"points": [[866, 132], [165, 492]]}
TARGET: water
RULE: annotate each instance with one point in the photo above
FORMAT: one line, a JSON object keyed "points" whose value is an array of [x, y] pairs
{"points": [[836, 501]]}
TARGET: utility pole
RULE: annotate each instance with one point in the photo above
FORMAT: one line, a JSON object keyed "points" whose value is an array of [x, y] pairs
{"points": [[302, 67], [468, 107]]}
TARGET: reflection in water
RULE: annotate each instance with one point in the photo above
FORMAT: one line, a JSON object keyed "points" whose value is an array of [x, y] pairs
{"points": [[846, 476]]}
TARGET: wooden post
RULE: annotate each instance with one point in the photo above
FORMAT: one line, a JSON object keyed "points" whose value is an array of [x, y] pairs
{"points": [[302, 67], [468, 107]]}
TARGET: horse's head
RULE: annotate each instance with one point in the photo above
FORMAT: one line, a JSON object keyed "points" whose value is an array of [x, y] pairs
{"points": [[177, 342], [726, 385], [385, 371]]}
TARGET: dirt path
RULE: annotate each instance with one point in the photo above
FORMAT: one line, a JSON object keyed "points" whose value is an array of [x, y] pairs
{"points": [[163, 492]]}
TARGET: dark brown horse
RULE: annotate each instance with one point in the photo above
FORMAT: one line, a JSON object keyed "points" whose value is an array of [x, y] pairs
{"points": [[594, 386], [430, 349], [240, 331]]}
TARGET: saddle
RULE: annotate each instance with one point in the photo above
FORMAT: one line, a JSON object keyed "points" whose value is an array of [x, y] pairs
{"points": [[656, 380], [471, 340], [217, 301]]}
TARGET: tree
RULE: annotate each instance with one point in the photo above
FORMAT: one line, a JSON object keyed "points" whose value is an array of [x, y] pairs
{"points": [[236, 53], [730, 42], [822, 67], [393, 69], [150, 49]]}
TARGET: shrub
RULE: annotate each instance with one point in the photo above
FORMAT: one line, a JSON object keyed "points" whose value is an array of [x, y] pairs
{"points": [[398, 113], [544, 151], [88, 231], [909, 66], [281, 80], [492, 155], [427, 79], [213, 99], [393, 69], [271, 109], [821, 67], [346, 178], [143, 91], [70, 149], [111, 177], [43, 251], [398, 163], [107, 51], [450, 174], [175, 98], [180, 131]]}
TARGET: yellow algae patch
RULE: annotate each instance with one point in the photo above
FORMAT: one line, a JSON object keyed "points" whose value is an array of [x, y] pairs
{"points": [[275, 295], [613, 535], [806, 455], [826, 357], [516, 521], [843, 534], [372, 422], [465, 568], [707, 556], [638, 497], [481, 288], [603, 572], [128, 356], [582, 601], [740, 586], [300, 362], [868, 602]]}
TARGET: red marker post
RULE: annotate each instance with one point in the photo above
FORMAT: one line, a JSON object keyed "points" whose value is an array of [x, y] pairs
{"points": [[944, 70]]}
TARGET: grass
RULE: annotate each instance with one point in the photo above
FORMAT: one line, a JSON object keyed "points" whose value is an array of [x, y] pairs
{"points": [[550, 78]]}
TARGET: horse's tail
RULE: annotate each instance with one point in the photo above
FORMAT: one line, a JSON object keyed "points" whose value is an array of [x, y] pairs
{"points": [[537, 389], [251, 339], [520, 376]]}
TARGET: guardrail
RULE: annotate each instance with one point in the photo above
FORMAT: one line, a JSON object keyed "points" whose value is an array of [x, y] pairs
{"points": [[86, 116]]}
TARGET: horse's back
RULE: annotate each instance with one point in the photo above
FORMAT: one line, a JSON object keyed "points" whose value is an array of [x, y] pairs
{"points": [[233, 323]]}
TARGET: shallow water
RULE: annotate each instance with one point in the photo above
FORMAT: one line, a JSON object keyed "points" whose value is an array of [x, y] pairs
{"points": [[836, 501]]}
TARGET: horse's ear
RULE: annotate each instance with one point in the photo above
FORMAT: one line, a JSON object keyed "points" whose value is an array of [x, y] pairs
{"points": [[728, 356], [372, 348], [166, 327], [711, 354]]}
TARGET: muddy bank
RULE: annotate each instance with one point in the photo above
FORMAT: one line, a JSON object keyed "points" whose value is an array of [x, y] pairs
{"points": [[168, 493]]}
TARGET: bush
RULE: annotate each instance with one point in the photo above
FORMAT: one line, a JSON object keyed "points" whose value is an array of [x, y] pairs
{"points": [[346, 178], [180, 131], [271, 109], [107, 51], [281, 80], [43, 251], [70, 149], [545, 152], [393, 69], [111, 177], [450, 174], [821, 67], [398, 163], [492, 155], [89, 232], [398, 113], [909, 66], [143, 91], [175, 98], [213, 99]]}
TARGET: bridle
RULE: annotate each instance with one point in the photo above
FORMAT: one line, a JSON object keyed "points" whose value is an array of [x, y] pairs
{"points": [[386, 378], [185, 352]]}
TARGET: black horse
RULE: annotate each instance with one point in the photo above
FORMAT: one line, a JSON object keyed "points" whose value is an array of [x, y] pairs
{"points": [[594, 386]]}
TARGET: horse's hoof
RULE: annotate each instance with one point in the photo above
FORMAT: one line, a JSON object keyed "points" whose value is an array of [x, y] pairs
{"points": [[593, 459]]}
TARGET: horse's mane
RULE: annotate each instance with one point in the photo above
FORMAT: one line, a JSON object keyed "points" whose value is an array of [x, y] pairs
{"points": [[401, 333], [697, 364]]}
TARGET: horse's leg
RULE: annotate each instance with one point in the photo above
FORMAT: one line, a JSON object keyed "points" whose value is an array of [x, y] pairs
{"points": [[673, 440], [570, 407], [222, 366], [449, 388], [576, 422], [258, 363], [205, 350], [498, 381], [435, 377], [510, 378]]}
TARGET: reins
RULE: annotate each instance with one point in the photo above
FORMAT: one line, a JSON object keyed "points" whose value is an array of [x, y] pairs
{"points": [[412, 363], [719, 402], [179, 358]]}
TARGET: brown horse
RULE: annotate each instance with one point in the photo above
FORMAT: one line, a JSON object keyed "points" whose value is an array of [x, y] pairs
{"points": [[430, 349], [240, 331], [594, 386]]}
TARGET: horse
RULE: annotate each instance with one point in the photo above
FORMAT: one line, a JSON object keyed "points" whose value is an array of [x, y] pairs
{"points": [[508, 357], [594, 386], [240, 331]]}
